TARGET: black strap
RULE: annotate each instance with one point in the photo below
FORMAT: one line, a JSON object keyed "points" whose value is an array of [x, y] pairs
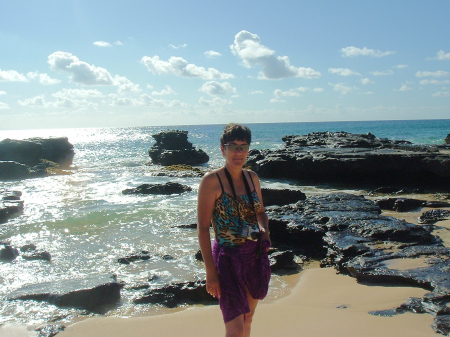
{"points": [[220, 181], [247, 188]]}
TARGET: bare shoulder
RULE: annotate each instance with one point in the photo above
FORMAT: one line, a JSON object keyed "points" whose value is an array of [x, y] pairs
{"points": [[210, 180], [253, 175]]}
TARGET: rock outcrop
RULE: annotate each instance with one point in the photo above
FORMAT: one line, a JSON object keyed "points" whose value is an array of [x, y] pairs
{"points": [[354, 159], [31, 151], [173, 148], [281, 197], [348, 233], [89, 293], [447, 139], [165, 189], [10, 205], [176, 294], [31, 158], [28, 252]]}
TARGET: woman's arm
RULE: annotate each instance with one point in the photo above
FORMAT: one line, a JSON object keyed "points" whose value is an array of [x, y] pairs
{"points": [[263, 220], [205, 205]]}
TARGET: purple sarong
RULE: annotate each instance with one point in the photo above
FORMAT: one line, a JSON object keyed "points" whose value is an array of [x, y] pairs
{"points": [[240, 268]]}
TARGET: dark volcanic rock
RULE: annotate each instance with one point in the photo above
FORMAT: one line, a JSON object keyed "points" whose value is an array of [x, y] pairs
{"points": [[433, 216], [141, 256], [447, 139], [435, 277], [338, 227], [89, 293], [175, 294], [8, 253], [406, 205], [282, 262], [10, 206], [35, 255], [31, 158], [166, 189], [11, 170], [361, 160], [172, 148], [281, 197], [50, 330], [31, 151]]}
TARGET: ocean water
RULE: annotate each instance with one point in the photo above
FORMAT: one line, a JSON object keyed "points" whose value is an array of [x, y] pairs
{"points": [[86, 223]]}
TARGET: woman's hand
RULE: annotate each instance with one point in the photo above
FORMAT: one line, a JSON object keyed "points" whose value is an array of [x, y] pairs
{"points": [[212, 283], [265, 237]]}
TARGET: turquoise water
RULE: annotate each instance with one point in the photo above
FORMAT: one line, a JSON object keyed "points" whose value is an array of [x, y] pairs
{"points": [[86, 223]]}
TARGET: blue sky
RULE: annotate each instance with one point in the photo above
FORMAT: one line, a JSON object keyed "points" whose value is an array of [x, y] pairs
{"points": [[140, 63]]}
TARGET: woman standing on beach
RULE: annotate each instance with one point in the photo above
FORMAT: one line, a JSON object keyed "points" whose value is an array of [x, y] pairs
{"points": [[237, 266]]}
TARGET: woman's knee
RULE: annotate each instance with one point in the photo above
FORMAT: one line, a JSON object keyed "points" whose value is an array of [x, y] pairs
{"points": [[236, 327]]}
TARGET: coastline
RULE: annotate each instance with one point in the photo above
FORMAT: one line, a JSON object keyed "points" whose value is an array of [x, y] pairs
{"points": [[322, 303], [79, 184]]}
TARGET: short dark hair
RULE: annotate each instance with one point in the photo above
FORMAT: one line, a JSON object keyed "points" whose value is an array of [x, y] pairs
{"points": [[234, 131]]}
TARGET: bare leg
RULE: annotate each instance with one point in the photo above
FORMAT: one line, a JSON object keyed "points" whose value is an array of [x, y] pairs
{"points": [[241, 325], [235, 327], [248, 318]]}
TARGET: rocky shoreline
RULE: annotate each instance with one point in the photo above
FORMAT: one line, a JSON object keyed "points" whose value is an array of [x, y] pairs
{"points": [[343, 231], [355, 160]]}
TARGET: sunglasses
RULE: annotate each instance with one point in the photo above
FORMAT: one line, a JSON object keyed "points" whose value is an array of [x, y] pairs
{"points": [[234, 147]]}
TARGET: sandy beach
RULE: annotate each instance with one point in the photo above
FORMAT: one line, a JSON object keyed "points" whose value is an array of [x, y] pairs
{"points": [[322, 303]]}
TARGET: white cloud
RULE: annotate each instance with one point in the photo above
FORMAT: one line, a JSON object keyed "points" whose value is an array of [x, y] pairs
{"points": [[143, 100], [65, 98], [401, 66], [118, 43], [178, 47], [214, 88], [382, 73], [102, 44], [366, 93], [276, 100], [2, 92], [43, 78], [439, 73], [441, 55], [86, 74], [295, 92], [342, 88], [255, 92], [319, 89], [81, 72], [366, 81], [289, 93], [436, 82], [247, 46], [354, 51], [343, 72], [179, 66], [4, 106], [11, 76], [212, 53], [441, 94], [125, 85], [38, 101], [216, 101], [405, 87], [78, 93], [166, 91]]}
